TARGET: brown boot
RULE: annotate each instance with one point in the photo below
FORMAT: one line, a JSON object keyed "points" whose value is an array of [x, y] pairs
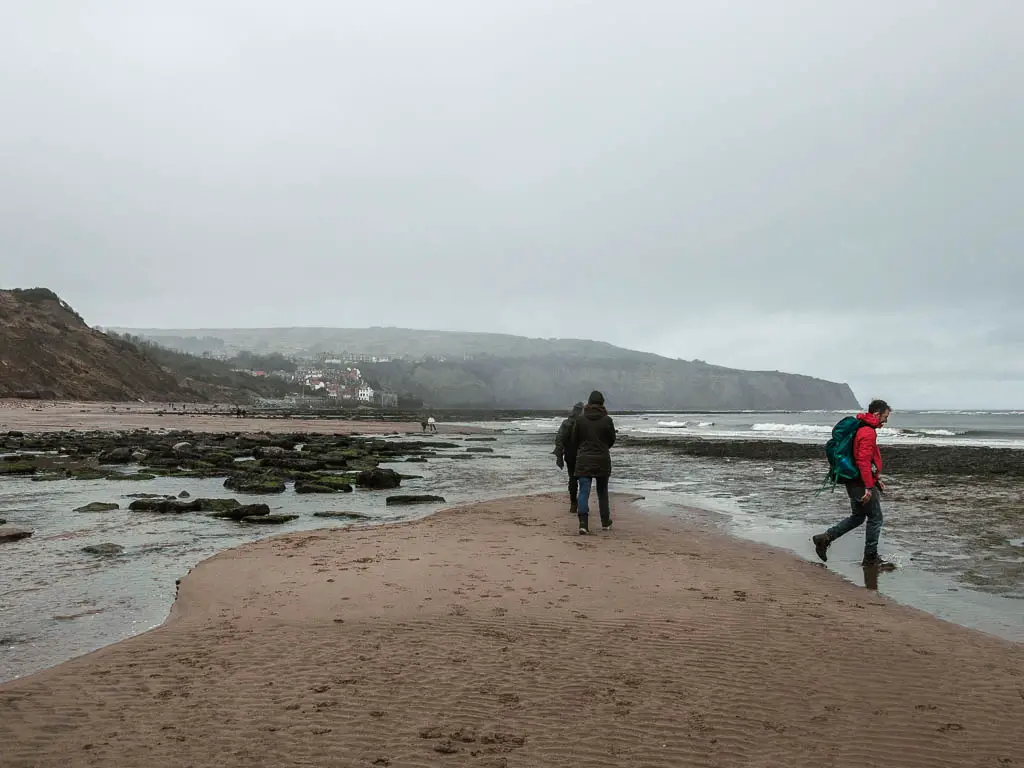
{"points": [[821, 545]]}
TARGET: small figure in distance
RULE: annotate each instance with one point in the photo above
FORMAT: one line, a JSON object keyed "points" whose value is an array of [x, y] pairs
{"points": [[565, 454], [865, 491], [432, 423]]}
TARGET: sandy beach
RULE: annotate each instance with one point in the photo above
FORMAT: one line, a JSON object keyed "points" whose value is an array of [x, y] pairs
{"points": [[494, 636], [59, 416]]}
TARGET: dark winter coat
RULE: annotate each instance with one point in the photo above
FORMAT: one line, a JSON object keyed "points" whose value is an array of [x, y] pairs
{"points": [[593, 432], [565, 448]]}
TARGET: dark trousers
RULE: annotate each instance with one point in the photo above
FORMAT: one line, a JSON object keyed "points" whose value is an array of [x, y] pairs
{"points": [[871, 511], [574, 483], [602, 498]]}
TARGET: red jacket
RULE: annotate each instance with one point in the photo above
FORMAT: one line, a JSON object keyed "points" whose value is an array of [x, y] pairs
{"points": [[865, 450]]}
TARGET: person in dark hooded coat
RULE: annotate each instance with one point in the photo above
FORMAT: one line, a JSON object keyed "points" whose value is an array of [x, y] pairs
{"points": [[565, 454], [593, 432]]}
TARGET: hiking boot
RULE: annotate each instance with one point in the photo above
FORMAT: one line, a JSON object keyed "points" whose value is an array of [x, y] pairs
{"points": [[573, 509], [606, 525], [874, 561], [821, 545], [584, 525]]}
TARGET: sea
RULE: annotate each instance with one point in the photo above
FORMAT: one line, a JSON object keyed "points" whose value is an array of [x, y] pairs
{"points": [[959, 544]]}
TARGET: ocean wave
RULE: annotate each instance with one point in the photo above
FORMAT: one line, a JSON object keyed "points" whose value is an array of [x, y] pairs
{"points": [[685, 424], [817, 429], [936, 432]]}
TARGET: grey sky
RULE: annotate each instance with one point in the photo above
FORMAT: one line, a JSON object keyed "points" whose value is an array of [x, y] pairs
{"points": [[832, 188]]}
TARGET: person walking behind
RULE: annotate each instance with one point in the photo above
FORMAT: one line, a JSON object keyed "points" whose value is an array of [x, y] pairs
{"points": [[565, 454], [593, 433], [865, 491], [432, 423]]}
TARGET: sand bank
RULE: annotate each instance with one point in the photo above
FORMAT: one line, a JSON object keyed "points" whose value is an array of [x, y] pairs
{"points": [[42, 416], [493, 636]]}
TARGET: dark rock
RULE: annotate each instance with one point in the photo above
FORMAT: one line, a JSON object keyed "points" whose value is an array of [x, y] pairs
{"points": [[416, 460], [88, 473], [255, 484], [15, 433], [414, 499], [146, 496], [165, 506], [99, 506], [312, 488], [184, 495], [10, 533], [479, 449], [379, 479], [322, 483], [3, 521], [217, 505], [17, 468], [270, 519], [130, 477], [103, 549], [481, 439], [343, 515], [122, 455], [243, 511], [183, 448]]}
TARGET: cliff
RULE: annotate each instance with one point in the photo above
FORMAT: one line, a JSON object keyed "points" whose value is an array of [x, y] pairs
{"points": [[480, 370], [47, 350]]}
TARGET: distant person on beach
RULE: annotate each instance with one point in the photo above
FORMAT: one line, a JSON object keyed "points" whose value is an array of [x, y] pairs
{"points": [[432, 423], [423, 423], [593, 434], [565, 454], [865, 491]]}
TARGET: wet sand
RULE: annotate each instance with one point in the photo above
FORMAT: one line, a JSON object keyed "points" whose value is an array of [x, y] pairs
{"points": [[495, 636], [41, 416]]}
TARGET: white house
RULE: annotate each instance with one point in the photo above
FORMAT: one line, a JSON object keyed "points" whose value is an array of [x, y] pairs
{"points": [[365, 393]]}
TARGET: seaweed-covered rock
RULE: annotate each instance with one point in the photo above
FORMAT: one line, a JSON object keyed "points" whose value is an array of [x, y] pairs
{"points": [[270, 519], [217, 505], [242, 511], [422, 498], [255, 484], [21, 467], [479, 449], [99, 506], [379, 479], [322, 483], [120, 455], [105, 550], [87, 473]]}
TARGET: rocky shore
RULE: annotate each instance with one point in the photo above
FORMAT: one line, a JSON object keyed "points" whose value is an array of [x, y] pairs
{"points": [[960, 461], [250, 464]]}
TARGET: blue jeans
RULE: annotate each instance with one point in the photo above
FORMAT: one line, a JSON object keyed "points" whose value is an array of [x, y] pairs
{"points": [[602, 498], [871, 511]]}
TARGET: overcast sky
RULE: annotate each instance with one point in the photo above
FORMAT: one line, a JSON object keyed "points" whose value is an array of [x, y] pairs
{"points": [[831, 188]]}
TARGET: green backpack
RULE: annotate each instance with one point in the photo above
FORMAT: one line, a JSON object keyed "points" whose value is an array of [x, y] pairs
{"points": [[839, 452]]}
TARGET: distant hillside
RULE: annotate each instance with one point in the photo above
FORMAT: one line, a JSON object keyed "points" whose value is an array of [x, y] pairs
{"points": [[47, 350], [484, 370]]}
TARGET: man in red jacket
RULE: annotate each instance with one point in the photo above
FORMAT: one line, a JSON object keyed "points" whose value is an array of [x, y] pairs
{"points": [[865, 492]]}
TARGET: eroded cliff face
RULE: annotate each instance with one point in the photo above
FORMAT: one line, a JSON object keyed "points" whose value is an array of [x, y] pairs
{"points": [[549, 384], [47, 350]]}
